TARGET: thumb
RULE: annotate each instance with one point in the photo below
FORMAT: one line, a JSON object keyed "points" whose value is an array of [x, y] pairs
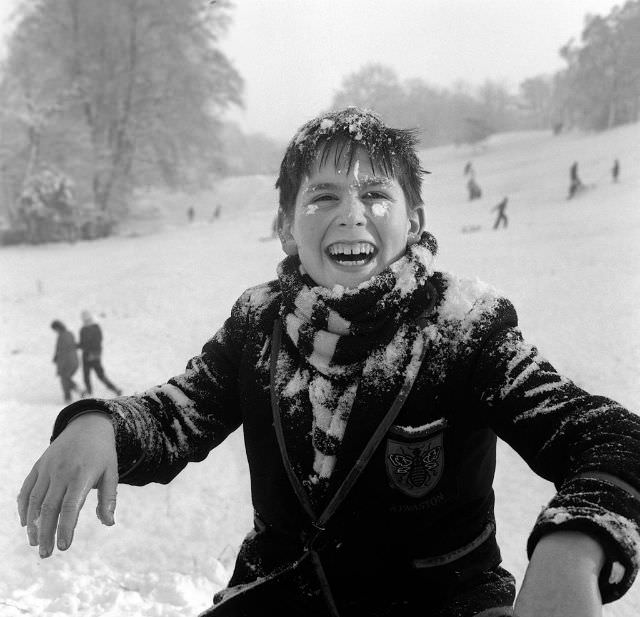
{"points": [[107, 489]]}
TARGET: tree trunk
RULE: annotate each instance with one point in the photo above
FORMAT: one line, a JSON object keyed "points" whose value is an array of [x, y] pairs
{"points": [[34, 153], [123, 147]]}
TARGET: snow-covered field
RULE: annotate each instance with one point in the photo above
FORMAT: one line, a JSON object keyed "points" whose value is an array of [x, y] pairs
{"points": [[570, 267]]}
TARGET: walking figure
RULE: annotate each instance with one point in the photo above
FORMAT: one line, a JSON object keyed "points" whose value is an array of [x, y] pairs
{"points": [[91, 345], [65, 358], [615, 170], [502, 217], [475, 192], [575, 184], [191, 213]]}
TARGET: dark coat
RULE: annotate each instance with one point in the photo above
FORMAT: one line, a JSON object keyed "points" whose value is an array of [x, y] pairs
{"points": [[66, 356], [423, 517], [90, 342]]}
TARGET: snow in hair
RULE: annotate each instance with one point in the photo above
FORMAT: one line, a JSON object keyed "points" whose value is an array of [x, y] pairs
{"points": [[339, 134]]}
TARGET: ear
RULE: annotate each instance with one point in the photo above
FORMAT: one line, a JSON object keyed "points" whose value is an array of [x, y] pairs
{"points": [[417, 224], [287, 241]]}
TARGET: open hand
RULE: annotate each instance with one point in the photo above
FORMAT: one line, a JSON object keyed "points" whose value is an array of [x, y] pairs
{"points": [[82, 457]]}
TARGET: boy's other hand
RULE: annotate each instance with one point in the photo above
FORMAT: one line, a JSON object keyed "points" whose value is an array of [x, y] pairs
{"points": [[562, 577], [82, 457]]}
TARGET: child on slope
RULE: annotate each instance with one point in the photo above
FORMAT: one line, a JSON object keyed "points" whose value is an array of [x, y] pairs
{"points": [[371, 388]]}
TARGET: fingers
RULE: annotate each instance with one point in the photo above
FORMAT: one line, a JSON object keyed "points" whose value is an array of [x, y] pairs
{"points": [[107, 488], [54, 492], [45, 506], [48, 520], [36, 497], [72, 503], [23, 496]]}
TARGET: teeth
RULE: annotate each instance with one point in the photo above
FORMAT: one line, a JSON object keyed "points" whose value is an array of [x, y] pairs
{"points": [[361, 248]]}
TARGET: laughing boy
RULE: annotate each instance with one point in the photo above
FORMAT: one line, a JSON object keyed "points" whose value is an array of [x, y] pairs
{"points": [[371, 389]]}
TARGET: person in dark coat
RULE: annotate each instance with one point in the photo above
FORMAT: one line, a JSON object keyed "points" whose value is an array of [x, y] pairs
{"points": [[65, 358], [90, 342], [371, 389], [475, 192], [501, 217], [473, 188], [615, 170], [575, 184]]}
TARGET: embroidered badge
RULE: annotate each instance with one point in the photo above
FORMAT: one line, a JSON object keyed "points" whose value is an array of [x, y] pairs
{"points": [[415, 467]]}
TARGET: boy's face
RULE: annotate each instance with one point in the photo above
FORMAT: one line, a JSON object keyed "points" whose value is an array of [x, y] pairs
{"points": [[349, 225]]}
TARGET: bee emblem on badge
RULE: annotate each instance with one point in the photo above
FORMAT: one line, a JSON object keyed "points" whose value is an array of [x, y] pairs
{"points": [[418, 465]]}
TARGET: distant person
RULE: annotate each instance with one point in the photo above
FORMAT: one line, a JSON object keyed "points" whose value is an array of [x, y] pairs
{"points": [[575, 184], [91, 345], [615, 170], [65, 358], [475, 192], [473, 188], [217, 212], [191, 213], [502, 217]]}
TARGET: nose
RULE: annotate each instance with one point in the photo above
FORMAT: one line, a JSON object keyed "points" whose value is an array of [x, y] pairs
{"points": [[352, 212]]}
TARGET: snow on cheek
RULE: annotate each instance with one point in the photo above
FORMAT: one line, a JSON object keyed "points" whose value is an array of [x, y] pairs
{"points": [[380, 208], [310, 209]]}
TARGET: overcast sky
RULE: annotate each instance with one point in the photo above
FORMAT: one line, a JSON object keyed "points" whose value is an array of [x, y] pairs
{"points": [[294, 54]]}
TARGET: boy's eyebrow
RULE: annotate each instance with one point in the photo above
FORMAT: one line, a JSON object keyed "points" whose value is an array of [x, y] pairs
{"points": [[366, 181], [375, 180], [321, 186]]}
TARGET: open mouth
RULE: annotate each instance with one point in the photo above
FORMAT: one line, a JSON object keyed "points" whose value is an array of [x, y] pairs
{"points": [[351, 253]]}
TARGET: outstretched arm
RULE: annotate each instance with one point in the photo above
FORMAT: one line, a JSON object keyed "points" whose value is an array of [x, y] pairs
{"points": [[588, 446], [149, 437]]}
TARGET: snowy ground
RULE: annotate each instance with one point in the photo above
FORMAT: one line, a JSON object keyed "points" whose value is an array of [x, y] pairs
{"points": [[570, 267]]}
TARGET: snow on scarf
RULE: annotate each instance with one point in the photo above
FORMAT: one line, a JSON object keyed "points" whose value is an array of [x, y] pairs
{"points": [[345, 336]]}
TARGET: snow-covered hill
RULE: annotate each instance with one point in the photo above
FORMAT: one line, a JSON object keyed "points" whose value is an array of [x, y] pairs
{"points": [[570, 267]]}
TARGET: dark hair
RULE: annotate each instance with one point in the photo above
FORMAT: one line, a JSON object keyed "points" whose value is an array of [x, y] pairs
{"points": [[58, 326], [392, 151]]}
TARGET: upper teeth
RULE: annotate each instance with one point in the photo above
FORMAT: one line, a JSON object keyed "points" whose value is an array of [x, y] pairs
{"points": [[351, 249]]}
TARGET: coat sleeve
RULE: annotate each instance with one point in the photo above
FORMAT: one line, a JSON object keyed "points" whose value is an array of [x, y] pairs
{"points": [[588, 446], [162, 429]]}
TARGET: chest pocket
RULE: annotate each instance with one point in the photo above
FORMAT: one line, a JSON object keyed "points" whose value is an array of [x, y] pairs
{"points": [[414, 457]]}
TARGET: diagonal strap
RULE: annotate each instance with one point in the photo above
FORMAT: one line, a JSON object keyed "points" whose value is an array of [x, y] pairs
{"points": [[276, 340], [320, 522]]}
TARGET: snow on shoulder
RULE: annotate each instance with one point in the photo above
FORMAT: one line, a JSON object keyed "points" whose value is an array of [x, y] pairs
{"points": [[466, 300], [256, 299]]}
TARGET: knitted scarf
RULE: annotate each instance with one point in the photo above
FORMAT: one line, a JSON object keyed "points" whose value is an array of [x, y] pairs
{"points": [[339, 338]]}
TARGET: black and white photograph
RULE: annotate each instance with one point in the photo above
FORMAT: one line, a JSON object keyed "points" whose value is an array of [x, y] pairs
{"points": [[320, 308]]}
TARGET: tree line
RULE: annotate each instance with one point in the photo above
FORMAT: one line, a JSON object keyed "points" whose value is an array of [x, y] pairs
{"points": [[117, 94], [598, 89], [102, 97]]}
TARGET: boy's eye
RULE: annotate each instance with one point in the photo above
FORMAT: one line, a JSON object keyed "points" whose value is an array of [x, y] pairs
{"points": [[376, 195], [323, 198]]}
